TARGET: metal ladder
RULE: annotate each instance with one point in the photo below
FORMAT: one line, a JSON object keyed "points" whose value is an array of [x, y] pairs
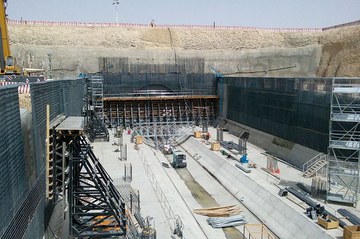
{"points": [[316, 166], [97, 92]]}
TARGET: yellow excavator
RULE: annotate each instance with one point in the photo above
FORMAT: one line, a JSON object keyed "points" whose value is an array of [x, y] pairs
{"points": [[7, 62]]}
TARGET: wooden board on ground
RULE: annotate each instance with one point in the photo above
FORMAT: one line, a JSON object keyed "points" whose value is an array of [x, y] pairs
{"points": [[222, 211]]}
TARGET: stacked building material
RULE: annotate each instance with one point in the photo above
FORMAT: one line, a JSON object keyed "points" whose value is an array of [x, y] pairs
{"points": [[222, 211], [350, 216], [220, 222]]}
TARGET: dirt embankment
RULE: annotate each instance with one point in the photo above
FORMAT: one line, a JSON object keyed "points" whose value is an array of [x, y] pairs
{"points": [[188, 39], [340, 52], [340, 47]]}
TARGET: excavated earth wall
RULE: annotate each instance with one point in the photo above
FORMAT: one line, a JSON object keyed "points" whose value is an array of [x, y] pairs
{"points": [[68, 50]]}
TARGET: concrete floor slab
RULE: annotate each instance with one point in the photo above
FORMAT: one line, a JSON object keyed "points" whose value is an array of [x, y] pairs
{"points": [[163, 193], [246, 185], [149, 202], [152, 179]]}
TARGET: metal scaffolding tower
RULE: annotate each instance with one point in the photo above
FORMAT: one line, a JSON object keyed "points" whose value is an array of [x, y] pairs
{"points": [[344, 141], [96, 209], [162, 120], [95, 109], [158, 134], [92, 203], [128, 111], [97, 93]]}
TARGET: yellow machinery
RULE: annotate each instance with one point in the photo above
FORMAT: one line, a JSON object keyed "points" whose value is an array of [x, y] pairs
{"points": [[7, 62]]}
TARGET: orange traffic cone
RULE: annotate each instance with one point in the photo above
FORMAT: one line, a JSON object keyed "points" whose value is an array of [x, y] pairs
{"points": [[272, 170], [278, 170]]}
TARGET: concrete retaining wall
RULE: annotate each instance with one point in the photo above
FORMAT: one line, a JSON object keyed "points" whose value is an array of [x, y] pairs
{"points": [[292, 153], [282, 219]]}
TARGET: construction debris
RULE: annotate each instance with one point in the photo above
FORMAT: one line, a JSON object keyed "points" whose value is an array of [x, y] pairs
{"points": [[252, 165], [220, 222], [223, 211], [245, 170]]}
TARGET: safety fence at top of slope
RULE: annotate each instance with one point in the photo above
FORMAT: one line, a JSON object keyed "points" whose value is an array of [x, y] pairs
{"points": [[84, 24], [348, 24], [22, 82]]}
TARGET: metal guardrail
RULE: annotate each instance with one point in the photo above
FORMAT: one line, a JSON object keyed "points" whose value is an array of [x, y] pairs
{"points": [[165, 204], [130, 196], [257, 231], [312, 161], [89, 24]]}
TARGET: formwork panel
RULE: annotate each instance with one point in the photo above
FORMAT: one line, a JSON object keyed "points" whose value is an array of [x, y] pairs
{"points": [[121, 84], [12, 164], [50, 92], [294, 109], [35, 205], [29, 217], [22, 209], [73, 96], [136, 111], [177, 65]]}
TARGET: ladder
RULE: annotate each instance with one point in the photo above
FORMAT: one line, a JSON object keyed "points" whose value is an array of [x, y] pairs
{"points": [[97, 92], [316, 166]]}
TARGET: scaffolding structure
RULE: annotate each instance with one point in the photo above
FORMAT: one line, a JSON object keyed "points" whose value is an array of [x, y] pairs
{"points": [[161, 119], [96, 209], [344, 141], [129, 111], [95, 205], [158, 134], [94, 114], [97, 95], [61, 134]]}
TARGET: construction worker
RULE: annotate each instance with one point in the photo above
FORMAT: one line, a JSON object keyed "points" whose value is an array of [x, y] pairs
{"points": [[152, 23]]}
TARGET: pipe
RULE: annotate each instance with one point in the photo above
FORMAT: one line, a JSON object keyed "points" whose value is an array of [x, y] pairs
{"points": [[313, 204], [351, 217]]}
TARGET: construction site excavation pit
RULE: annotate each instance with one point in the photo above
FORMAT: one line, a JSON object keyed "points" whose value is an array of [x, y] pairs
{"points": [[267, 119]]}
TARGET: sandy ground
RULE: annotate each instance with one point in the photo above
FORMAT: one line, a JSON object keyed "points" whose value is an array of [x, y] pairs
{"points": [[25, 101]]}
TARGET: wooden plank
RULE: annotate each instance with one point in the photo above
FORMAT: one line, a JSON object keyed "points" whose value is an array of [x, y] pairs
{"points": [[222, 211]]}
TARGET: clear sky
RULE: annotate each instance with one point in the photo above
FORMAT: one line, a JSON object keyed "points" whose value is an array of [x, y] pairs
{"points": [[248, 13]]}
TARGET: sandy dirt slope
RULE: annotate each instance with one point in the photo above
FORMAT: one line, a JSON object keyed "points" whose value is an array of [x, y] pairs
{"points": [[341, 52], [125, 37], [340, 47]]}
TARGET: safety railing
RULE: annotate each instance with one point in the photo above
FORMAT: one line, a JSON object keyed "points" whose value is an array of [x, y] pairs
{"points": [[309, 163], [165, 204], [257, 231], [88, 24]]}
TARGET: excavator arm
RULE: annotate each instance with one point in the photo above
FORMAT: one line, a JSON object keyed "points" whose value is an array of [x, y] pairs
{"points": [[7, 62]]}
